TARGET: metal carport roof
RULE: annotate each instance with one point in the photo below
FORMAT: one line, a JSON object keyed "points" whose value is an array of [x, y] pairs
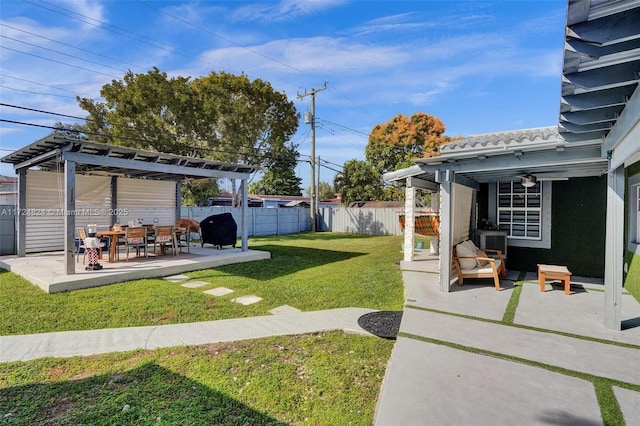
{"points": [[49, 153]]}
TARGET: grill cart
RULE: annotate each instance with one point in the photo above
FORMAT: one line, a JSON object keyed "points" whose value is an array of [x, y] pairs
{"points": [[219, 230]]}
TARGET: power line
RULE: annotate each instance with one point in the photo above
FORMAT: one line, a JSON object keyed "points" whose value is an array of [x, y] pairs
{"points": [[344, 127], [144, 140], [36, 93], [68, 45], [184, 21], [35, 82], [154, 43], [116, 30], [142, 39], [62, 53], [59, 62]]}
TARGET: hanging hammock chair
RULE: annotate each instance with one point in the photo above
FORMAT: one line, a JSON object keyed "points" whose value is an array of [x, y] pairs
{"points": [[427, 225]]}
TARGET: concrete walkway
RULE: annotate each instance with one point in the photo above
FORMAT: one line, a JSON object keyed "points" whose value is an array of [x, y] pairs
{"points": [[445, 369], [452, 370], [93, 342]]}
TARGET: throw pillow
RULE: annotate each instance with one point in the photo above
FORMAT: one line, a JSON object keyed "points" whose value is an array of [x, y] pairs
{"points": [[482, 262], [466, 256]]}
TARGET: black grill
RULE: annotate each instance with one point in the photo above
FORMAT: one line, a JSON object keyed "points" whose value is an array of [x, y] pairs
{"points": [[219, 230]]}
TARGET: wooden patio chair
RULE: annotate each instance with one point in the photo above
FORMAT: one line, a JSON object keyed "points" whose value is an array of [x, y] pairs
{"points": [[164, 236], [471, 262], [135, 237]]}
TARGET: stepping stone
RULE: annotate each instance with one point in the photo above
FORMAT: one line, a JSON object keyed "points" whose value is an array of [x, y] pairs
{"points": [[177, 278], [220, 291], [284, 309], [247, 300], [194, 284]]}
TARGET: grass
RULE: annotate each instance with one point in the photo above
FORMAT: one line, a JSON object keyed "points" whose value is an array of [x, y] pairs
{"points": [[325, 378], [306, 271], [322, 379], [632, 281]]}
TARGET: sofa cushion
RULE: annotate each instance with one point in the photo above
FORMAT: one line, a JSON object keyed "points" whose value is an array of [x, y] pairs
{"points": [[481, 262], [466, 256]]}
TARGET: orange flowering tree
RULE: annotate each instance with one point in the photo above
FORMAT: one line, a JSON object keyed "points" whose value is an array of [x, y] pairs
{"points": [[398, 142]]}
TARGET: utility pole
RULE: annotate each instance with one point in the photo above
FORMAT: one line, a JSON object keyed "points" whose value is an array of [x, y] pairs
{"points": [[314, 201]]}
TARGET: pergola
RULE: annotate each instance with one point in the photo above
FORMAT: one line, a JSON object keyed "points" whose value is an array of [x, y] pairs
{"points": [[73, 157]]}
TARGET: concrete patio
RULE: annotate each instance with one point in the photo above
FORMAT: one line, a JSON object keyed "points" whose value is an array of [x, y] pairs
{"points": [[47, 270]]}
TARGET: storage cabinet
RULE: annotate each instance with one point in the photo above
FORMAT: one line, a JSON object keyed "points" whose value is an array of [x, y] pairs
{"points": [[495, 240]]}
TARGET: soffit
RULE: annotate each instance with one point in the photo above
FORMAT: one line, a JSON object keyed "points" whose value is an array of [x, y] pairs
{"points": [[601, 68]]}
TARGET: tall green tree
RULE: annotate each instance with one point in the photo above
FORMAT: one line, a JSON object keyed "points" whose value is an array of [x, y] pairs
{"points": [[221, 116], [279, 177], [198, 193], [358, 180], [325, 191]]}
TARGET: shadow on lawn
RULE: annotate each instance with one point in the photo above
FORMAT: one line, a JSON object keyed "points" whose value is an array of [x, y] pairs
{"points": [[286, 260], [153, 394]]}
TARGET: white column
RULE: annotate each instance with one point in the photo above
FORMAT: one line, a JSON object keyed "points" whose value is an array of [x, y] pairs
{"points": [[22, 206], [245, 206], [434, 247], [446, 216], [409, 222], [70, 218], [614, 250]]}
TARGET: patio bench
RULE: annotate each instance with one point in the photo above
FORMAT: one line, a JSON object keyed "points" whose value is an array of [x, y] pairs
{"points": [[471, 262]]}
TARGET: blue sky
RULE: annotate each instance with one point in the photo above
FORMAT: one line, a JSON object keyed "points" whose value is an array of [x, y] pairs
{"points": [[479, 66]]}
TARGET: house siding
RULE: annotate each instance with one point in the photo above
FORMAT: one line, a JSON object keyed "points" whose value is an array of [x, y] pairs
{"points": [[578, 213]]}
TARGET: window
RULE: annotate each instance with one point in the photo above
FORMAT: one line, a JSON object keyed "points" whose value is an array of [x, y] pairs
{"points": [[520, 210]]}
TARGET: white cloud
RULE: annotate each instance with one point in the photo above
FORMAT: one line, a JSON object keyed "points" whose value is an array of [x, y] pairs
{"points": [[284, 10]]}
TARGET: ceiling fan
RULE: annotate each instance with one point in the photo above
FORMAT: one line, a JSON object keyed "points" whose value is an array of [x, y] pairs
{"points": [[528, 180]]}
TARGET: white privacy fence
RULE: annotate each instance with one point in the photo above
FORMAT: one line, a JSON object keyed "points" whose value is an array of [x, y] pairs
{"points": [[278, 221], [260, 222]]}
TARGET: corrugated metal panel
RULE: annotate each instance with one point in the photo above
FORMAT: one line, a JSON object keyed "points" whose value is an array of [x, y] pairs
{"points": [[45, 213], [150, 200]]}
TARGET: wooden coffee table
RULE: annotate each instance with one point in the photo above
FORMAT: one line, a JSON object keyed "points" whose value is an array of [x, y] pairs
{"points": [[554, 272]]}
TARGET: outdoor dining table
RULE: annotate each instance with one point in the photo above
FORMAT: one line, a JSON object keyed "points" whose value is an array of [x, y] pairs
{"points": [[113, 241]]}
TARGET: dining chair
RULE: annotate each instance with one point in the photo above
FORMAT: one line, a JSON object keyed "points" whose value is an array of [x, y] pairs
{"points": [[164, 235], [135, 237]]}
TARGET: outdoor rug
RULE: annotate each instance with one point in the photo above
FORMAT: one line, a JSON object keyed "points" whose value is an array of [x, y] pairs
{"points": [[385, 324]]}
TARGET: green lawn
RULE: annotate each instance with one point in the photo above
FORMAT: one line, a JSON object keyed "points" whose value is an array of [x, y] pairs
{"points": [[321, 379], [307, 271]]}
